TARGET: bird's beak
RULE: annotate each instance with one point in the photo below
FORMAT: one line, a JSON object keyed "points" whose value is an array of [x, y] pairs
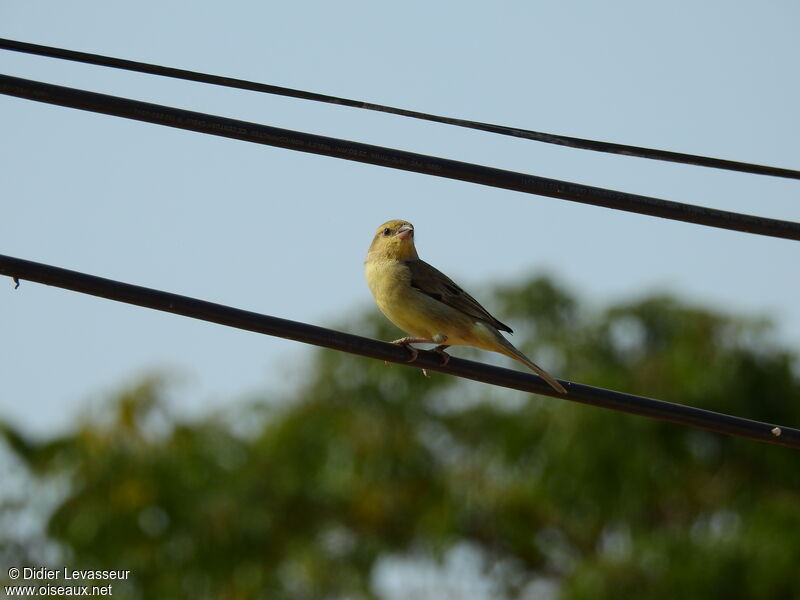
{"points": [[405, 232]]}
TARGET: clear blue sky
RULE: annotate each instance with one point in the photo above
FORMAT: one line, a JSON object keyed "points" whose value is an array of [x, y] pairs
{"points": [[285, 233]]}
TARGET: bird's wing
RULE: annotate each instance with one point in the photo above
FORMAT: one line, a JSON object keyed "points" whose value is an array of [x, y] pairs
{"points": [[437, 285]]}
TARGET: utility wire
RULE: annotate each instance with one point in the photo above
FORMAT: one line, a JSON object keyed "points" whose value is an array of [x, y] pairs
{"points": [[561, 140], [319, 336], [388, 157]]}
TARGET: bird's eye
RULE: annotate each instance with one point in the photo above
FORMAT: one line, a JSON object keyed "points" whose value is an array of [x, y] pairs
{"points": [[387, 231]]}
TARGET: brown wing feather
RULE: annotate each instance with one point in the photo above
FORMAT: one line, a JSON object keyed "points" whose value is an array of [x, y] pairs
{"points": [[429, 280]]}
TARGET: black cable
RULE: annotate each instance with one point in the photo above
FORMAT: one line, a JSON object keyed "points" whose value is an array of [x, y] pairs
{"points": [[319, 336], [388, 157], [561, 140]]}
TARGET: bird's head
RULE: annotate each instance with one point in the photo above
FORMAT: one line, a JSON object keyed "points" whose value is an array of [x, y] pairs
{"points": [[394, 240]]}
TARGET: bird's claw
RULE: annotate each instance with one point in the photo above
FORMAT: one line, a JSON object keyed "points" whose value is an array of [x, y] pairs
{"points": [[445, 356], [406, 341], [414, 352]]}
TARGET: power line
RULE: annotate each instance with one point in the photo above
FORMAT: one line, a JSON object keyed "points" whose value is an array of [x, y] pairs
{"points": [[549, 138], [396, 159], [319, 336]]}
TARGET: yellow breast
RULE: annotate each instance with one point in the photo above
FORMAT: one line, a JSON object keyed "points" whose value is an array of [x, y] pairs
{"points": [[411, 310]]}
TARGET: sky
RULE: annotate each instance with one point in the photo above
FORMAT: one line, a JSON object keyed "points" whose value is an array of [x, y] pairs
{"points": [[285, 233]]}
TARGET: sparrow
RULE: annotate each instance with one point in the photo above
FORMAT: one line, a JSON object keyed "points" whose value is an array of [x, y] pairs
{"points": [[428, 305]]}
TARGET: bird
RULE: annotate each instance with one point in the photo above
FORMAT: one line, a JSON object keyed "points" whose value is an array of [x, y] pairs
{"points": [[428, 305]]}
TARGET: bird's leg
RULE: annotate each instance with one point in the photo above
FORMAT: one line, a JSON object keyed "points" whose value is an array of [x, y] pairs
{"points": [[440, 339], [412, 340], [445, 356]]}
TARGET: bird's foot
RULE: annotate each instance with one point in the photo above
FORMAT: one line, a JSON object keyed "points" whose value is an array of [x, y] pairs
{"points": [[415, 353], [445, 356], [406, 343]]}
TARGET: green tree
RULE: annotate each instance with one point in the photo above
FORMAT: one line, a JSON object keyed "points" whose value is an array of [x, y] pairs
{"points": [[304, 497]]}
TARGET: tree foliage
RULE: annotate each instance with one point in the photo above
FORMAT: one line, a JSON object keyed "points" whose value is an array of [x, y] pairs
{"points": [[305, 496]]}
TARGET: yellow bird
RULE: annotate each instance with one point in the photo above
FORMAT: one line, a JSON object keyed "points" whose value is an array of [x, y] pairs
{"points": [[425, 303]]}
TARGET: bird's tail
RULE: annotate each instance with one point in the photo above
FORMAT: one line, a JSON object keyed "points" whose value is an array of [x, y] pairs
{"points": [[509, 350]]}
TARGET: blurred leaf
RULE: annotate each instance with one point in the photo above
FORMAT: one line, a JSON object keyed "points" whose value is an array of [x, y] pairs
{"points": [[369, 461]]}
